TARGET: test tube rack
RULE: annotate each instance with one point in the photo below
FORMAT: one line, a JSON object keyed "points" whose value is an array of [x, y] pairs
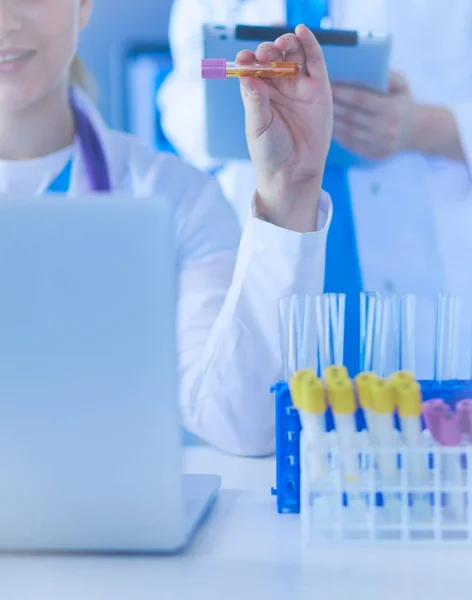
{"points": [[437, 511], [328, 512], [288, 435]]}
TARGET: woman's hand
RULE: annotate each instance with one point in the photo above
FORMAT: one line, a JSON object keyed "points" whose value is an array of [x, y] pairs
{"points": [[289, 124], [373, 125]]}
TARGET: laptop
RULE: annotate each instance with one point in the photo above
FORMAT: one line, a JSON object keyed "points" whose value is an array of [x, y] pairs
{"points": [[90, 440], [356, 58]]}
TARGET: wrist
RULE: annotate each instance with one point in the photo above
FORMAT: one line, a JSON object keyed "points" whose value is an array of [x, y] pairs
{"points": [[426, 126], [418, 127], [434, 132], [294, 208]]}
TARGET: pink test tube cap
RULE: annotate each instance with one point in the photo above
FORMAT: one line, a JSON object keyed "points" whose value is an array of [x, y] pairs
{"points": [[443, 424], [213, 68]]}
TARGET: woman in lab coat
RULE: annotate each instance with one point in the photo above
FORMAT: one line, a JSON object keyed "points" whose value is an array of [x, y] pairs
{"points": [[411, 208], [53, 139]]}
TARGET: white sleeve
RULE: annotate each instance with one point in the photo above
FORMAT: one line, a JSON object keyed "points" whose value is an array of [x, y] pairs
{"points": [[228, 339], [463, 115], [181, 98]]}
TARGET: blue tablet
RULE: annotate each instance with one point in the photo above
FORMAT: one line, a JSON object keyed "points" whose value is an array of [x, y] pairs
{"points": [[354, 58]]}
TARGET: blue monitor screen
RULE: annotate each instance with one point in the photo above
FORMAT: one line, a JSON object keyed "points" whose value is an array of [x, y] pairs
{"points": [[147, 67]]}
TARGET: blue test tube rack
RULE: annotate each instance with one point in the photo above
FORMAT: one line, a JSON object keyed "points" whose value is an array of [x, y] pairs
{"points": [[287, 451], [288, 427]]}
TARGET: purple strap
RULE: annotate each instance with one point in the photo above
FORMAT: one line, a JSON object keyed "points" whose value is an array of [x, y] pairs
{"points": [[92, 151]]}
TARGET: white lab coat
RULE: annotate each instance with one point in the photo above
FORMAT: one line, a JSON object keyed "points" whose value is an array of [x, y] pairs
{"points": [[227, 329], [412, 213]]}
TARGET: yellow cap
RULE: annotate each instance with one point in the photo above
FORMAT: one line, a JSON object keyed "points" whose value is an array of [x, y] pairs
{"points": [[408, 398], [307, 392], [383, 397], [364, 383], [402, 377], [335, 373], [341, 396]]}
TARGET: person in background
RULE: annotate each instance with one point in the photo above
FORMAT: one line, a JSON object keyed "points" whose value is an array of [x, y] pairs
{"points": [[407, 217], [52, 139]]}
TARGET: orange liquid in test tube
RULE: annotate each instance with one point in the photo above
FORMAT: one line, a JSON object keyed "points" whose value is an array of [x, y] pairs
{"points": [[219, 68]]}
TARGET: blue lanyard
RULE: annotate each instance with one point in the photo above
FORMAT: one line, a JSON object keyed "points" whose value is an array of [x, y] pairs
{"points": [[308, 12], [93, 154]]}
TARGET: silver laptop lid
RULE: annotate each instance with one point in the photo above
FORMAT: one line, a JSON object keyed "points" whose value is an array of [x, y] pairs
{"points": [[89, 425]]}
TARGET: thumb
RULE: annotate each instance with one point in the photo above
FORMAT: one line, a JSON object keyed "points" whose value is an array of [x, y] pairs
{"points": [[397, 83], [256, 99]]}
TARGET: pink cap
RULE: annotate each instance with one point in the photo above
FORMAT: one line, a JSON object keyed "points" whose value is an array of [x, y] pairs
{"points": [[443, 424], [464, 408], [213, 68]]}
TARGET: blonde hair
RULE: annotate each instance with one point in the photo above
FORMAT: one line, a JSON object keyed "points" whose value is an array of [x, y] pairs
{"points": [[83, 78]]}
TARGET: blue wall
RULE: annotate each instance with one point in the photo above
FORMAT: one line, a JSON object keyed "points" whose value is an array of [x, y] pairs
{"points": [[114, 26]]}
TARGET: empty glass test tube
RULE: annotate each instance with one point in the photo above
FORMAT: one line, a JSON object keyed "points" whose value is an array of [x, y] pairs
{"points": [[448, 322], [298, 335], [219, 68]]}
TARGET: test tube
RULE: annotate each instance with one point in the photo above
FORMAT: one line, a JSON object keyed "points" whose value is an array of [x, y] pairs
{"points": [[371, 325], [385, 356], [448, 316], [330, 310], [220, 68], [298, 334], [407, 331], [387, 341]]}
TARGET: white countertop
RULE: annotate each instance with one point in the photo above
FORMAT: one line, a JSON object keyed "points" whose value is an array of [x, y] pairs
{"points": [[245, 551]]}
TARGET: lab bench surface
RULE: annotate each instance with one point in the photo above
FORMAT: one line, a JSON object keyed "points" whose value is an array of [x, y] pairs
{"points": [[245, 550]]}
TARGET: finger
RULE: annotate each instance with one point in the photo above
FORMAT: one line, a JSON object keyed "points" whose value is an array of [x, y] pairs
{"points": [[351, 135], [348, 117], [353, 146], [314, 58], [245, 57], [356, 142], [291, 48], [397, 83], [256, 98], [355, 98], [268, 52]]}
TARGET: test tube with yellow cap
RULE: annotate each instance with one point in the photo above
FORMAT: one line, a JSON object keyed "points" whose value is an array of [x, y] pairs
{"points": [[343, 403], [401, 377], [364, 384], [308, 396], [409, 404], [384, 440]]}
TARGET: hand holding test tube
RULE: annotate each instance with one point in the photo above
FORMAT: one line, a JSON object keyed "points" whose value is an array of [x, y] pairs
{"points": [[291, 154], [308, 396]]}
